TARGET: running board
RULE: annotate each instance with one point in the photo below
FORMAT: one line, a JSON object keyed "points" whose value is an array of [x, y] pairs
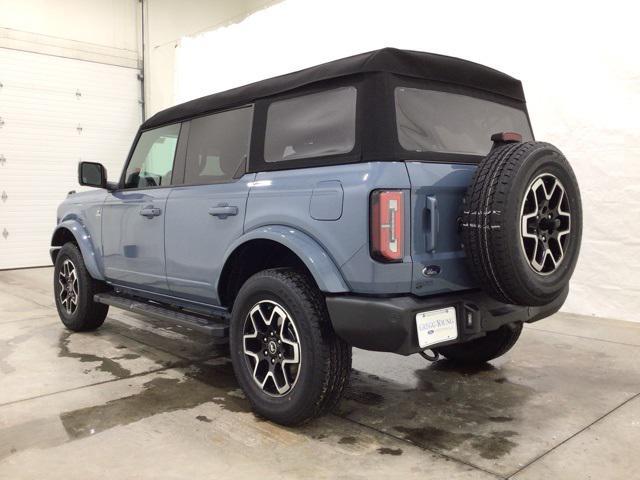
{"points": [[195, 322]]}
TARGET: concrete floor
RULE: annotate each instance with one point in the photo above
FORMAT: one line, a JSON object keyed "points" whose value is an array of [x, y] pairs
{"points": [[147, 400]]}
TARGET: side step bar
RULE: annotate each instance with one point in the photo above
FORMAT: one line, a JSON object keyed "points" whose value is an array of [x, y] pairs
{"points": [[195, 322]]}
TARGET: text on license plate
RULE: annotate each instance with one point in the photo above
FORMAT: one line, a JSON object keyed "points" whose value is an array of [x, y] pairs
{"points": [[436, 326]]}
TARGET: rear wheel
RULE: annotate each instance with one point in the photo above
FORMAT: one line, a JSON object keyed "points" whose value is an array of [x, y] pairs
{"points": [[493, 345], [286, 357], [74, 289]]}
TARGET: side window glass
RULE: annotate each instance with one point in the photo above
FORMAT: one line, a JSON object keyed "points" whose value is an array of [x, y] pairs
{"points": [[152, 162], [218, 146], [314, 125]]}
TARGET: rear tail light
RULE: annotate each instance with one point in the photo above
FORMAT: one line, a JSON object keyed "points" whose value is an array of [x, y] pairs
{"points": [[387, 225]]}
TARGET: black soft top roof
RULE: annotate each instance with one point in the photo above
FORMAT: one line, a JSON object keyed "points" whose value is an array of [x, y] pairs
{"points": [[419, 65]]}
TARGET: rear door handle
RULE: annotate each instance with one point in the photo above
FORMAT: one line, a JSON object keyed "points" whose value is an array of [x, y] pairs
{"points": [[150, 211], [434, 223], [223, 210]]}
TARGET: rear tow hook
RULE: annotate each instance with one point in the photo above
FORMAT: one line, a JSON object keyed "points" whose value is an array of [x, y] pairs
{"points": [[431, 358]]}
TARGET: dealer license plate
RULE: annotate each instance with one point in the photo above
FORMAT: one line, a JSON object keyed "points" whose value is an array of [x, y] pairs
{"points": [[436, 326]]}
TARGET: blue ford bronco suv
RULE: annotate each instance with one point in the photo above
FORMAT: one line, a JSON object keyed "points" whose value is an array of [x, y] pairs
{"points": [[393, 201]]}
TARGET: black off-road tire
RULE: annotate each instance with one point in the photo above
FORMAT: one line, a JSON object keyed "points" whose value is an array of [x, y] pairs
{"points": [[491, 223], [493, 345], [87, 315], [325, 359]]}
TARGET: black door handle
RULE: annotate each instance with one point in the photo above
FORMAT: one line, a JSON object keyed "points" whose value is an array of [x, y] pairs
{"points": [[223, 210], [150, 211], [434, 222]]}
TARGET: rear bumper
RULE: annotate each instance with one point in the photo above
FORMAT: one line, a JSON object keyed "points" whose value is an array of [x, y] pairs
{"points": [[388, 324]]}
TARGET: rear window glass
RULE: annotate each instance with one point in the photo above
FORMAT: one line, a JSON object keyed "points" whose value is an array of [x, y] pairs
{"points": [[432, 121], [314, 125]]}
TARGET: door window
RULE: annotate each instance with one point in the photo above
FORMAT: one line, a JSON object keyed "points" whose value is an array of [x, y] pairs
{"points": [[218, 146], [152, 162]]}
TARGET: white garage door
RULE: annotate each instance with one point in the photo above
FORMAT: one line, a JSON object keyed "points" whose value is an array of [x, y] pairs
{"points": [[55, 112]]}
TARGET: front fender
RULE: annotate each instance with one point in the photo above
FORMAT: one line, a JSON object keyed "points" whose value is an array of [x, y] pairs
{"points": [[83, 239], [316, 259]]}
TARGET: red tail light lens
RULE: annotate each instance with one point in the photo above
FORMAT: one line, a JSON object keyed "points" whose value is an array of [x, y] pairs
{"points": [[387, 225]]}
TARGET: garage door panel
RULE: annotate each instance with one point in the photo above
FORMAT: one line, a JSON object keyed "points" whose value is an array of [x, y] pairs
{"points": [[21, 103], [67, 75], [56, 112], [40, 111]]}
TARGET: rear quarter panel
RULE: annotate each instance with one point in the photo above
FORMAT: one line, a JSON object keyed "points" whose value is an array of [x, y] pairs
{"points": [[309, 200]]}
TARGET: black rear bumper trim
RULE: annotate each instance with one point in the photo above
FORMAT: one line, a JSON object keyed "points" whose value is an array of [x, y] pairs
{"points": [[388, 324]]}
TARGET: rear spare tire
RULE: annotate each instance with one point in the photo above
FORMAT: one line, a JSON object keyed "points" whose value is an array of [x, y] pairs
{"points": [[522, 223]]}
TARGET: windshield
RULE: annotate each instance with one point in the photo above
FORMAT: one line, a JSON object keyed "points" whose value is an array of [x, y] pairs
{"points": [[432, 121]]}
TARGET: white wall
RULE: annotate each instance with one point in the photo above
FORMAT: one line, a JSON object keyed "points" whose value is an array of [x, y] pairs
{"points": [[166, 22], [111, 31], [579, 64], [95, 30]]}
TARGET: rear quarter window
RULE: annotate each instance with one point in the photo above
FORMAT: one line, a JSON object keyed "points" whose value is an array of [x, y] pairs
{"points": [[314, 125]]}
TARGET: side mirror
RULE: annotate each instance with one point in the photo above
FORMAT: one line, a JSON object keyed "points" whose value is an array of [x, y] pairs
{"points": [[92, 174]]}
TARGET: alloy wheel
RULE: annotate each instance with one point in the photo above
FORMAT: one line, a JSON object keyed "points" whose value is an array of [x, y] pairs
{"points": [[271, 346], [69, 288], [545, 223]]}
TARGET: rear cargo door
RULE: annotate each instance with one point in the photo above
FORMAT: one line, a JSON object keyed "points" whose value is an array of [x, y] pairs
{"points": [[437, 190]]}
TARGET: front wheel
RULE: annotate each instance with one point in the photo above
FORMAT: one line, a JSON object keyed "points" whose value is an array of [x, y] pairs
{"points": [[74, 289], [286, 357], [481, 350]]}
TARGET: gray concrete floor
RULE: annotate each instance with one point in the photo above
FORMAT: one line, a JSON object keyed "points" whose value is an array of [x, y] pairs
{"points": [[147, 400]]}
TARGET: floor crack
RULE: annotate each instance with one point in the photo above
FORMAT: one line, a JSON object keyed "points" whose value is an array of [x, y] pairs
{"points": [[570, 437]]}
